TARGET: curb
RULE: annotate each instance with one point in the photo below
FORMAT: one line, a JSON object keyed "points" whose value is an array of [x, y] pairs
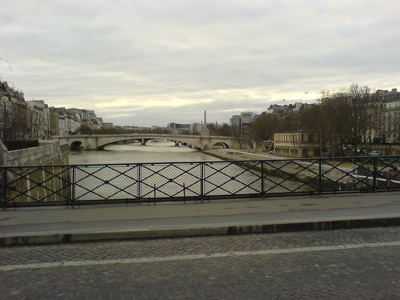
{"points": [[191, 232]]}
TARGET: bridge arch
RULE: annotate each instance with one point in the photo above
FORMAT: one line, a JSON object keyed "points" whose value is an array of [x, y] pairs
{"points": [[220, 145], [101, 147], [75, 145]]}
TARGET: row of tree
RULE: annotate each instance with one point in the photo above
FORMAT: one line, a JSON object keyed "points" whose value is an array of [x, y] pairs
{"points": [[345, 117]]}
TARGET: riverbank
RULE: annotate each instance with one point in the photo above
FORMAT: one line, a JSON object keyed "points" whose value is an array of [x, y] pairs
{"points": [[233, 154]]}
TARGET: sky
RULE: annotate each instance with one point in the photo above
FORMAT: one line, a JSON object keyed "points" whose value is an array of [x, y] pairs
{"points": [[150, 63]]}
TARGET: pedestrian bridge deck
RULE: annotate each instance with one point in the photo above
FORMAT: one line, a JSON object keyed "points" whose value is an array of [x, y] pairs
{"points": [[30, 225]]}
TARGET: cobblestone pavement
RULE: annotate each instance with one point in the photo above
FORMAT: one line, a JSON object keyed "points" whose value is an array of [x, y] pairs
{"points": [[335, 264]]}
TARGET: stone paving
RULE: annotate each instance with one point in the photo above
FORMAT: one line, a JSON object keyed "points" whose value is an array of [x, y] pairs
{"points": [[334, 264]]}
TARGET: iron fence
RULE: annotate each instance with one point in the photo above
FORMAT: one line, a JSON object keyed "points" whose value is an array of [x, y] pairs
{"points": [[181, 181]]}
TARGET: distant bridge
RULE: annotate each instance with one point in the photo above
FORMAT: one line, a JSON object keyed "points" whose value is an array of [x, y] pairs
{"points": [[99, 141]]}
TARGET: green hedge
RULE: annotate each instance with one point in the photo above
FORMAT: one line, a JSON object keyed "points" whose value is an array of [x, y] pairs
{"points": [[20, 144]]}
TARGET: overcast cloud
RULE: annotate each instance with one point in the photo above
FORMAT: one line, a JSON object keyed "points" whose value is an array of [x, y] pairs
{"points": [[154, 62]]}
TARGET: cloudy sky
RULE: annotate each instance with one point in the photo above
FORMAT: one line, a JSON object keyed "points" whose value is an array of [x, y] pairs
{"points": [[148, 62]]}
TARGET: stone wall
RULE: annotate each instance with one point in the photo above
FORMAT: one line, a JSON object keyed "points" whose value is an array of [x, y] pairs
{"points": [[34, 175], [48, 153], [388, 149]]}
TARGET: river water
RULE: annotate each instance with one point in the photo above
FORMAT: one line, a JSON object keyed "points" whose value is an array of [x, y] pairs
{"points": [[136, 153], [175, 173]]}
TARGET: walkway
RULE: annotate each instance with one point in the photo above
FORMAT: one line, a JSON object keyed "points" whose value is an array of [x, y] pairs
{"points": [[128, 221]]}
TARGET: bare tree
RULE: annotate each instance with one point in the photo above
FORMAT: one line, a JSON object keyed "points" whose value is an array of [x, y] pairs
{"points": [[309, 118], [348, 116], [265, 126], [14, 122]]}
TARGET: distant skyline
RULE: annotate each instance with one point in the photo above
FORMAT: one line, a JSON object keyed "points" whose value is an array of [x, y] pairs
{"points": [[148, 62]]}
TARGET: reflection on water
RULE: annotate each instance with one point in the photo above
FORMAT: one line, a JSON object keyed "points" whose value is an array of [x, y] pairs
{"points": [[137, 153]]}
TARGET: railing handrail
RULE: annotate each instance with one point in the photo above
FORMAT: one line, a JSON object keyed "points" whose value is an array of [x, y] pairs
{"points": [[215, 161]]}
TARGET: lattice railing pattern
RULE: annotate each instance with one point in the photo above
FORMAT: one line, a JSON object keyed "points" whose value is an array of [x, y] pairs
{"points": [[75, 184]]}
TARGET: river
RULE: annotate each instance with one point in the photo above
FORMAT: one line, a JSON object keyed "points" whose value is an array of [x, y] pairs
{"points": [[136, 153], [162, 179], [168, 180], [179, 179]]}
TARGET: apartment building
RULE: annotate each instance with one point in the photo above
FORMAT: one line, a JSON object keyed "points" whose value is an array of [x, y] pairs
{"points": [[38, 119], [390, 116]]}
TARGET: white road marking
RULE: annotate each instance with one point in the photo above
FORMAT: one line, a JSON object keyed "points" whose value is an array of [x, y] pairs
{"points": [[193, 256]]}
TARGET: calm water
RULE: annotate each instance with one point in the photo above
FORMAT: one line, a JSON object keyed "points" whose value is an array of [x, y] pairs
{"points": [[136, 153], [160, 180]]}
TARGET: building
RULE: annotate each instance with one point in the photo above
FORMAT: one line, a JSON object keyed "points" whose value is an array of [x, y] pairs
{"points": [[246, 118], [88, 117], [13, 113], [73, 123], [297, 144], [111, 125], [34, 119], [177, 128], [390, 116], [83, 113], [196, 128], [290, 108], [58, 121], [38, 119], [277, 109], [236, 121]]}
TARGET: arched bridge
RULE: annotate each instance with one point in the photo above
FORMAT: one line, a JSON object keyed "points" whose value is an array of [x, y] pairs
{"points": [[99, 141]]}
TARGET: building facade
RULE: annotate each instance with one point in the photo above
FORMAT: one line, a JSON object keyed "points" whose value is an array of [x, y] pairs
{"points": [[236, 121], [390, 116], [297, 144], [39, 120], [13, 113], [34, 119]]}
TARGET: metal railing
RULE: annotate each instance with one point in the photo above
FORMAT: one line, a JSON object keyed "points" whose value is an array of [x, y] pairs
{"points": [[181, 181]]}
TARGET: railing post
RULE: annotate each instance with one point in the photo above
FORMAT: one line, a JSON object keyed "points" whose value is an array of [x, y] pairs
{"points": [[262, 179], [320, 176], [73, 186], [374, 175], [139, 182], [202, 180], [184, 193], [155, 195], [5, 188]]}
